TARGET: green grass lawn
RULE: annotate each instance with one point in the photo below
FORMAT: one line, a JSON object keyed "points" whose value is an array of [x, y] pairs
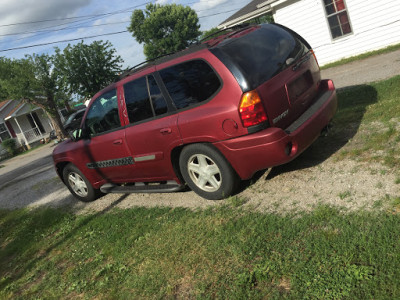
{"points": [[227, 252], [217, 253], [371, 115]]}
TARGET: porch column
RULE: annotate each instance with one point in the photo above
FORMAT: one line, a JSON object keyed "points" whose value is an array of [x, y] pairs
{"points": [[23, 134], [48, 119], [37, 127]]}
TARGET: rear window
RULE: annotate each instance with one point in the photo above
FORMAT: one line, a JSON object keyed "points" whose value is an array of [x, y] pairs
{"points": [[263, 53], [190, 82]]}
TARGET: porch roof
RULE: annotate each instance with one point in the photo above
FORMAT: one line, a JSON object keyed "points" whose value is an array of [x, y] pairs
{"points": [[4, 103], [18, 110]]}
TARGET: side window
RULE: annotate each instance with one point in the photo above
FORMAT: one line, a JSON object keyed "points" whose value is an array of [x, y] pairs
{"points": [[103, 114], [190, 83], [144, 99], [157, 99], [338, 18]]}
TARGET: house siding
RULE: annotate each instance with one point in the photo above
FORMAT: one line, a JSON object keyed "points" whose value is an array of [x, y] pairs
{"points": [[45, 120], [375, 25], [13, 111]]}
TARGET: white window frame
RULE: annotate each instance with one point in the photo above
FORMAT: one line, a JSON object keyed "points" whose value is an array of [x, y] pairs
{"points": [[335, 14], [3, 131]]}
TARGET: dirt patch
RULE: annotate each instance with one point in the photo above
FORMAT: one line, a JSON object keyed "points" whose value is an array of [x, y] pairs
{"points": [[320, 176], [346, 184]]}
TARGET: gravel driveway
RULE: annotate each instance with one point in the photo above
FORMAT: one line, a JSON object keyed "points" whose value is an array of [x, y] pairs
{"points": [[30, 180], [299, 185], [371, 69]]}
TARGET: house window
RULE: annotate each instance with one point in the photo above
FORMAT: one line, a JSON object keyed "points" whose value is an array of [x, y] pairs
{"points": [[4, 135], [338, 19]]}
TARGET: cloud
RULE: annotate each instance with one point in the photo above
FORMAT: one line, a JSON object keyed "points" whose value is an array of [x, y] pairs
{"points": [[22, 11], [211, 13], [162, 2]]}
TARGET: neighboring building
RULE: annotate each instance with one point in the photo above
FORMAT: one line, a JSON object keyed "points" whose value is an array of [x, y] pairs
{"points": [[335, 29], [24, 122]]}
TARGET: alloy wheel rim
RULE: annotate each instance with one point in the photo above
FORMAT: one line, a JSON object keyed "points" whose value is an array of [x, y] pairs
{"points": [[204, 172], [77, 184]]}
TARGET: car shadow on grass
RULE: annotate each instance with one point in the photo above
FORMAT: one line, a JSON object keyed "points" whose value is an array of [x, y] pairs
{"points": [[26, 239], [352, 105]]}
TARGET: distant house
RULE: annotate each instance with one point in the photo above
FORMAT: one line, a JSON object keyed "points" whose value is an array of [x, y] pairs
{"points": [[23, 122], [336, 29]]}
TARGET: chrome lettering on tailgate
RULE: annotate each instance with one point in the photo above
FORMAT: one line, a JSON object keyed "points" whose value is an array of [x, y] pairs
{"points": [[280, 117]]}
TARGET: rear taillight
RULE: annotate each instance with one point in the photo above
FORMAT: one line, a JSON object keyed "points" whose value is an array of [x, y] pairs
{"points": [[251, 109], [313, 53]]}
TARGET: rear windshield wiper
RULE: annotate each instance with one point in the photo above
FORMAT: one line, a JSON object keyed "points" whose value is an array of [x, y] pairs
{"points": [[302, 61]]}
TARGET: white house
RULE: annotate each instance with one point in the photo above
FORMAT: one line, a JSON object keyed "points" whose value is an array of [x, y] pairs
{"points": [[335, 29], [24, 122]]}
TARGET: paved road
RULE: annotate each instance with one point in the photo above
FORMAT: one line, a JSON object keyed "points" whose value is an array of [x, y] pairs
{"points": [[371, 69], [18, 168], [31, 179]]}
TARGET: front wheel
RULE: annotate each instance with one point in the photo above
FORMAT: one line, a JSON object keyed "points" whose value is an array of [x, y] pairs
{"points": [[78, 185], [207, 172]]}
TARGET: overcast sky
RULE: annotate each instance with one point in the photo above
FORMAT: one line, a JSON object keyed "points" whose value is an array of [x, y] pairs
{"points": [[31, 22]]}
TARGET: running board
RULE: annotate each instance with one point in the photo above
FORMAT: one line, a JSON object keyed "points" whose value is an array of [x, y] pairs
{"points": [[141, 188]]}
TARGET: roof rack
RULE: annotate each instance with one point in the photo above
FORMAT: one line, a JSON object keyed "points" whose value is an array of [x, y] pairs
{"points": [[152, 61], [129, 71], [149, 62], [238, 26]]}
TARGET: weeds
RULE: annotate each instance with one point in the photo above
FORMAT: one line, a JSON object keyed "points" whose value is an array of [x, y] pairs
{"points": [[222, 252], [344, 195], [366, 121]]}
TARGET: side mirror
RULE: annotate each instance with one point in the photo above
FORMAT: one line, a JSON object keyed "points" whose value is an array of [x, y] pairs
{"points": [[75, 135], [79, 134], [84, 133]]}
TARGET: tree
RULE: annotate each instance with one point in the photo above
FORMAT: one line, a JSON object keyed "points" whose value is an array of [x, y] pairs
{"points": [[164, 29], [87, 69], [34, 80], [209, 33]]}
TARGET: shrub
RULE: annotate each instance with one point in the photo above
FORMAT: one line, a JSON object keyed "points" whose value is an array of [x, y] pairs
{"points": [[10, 145]]}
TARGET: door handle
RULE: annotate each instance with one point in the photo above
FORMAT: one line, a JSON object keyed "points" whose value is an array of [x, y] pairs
{"points": [[117, 142], [166, 131]]}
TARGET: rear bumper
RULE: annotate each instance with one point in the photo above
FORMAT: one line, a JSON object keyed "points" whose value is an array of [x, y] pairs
{"points": [[274, 146]]}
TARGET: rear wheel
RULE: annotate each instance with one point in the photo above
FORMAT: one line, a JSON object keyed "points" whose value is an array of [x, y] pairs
{"points": [[78, 185], [207, 172]]}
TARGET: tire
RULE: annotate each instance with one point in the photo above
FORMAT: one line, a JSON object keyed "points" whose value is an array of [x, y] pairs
{"points": [[78, 184], [207, 172]]}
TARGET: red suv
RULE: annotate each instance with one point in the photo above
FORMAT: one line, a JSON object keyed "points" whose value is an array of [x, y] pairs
{"points": [[208, 117]]}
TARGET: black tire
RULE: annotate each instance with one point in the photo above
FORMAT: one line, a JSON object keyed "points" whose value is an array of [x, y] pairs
{"points": [[207, 172], [78, 185]]}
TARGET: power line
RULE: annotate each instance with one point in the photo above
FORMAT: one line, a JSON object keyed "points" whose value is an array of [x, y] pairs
{"points": [[64, 41], [78, 17], [126, 10], [88, 37], [129, 10]]}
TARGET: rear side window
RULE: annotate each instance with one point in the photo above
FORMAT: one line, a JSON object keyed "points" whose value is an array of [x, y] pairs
{"points": [[143, 99], [190, 83], [263, 53]]}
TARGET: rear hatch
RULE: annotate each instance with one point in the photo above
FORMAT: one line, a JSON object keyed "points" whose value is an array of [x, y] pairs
{"points": [[278, 64]]}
